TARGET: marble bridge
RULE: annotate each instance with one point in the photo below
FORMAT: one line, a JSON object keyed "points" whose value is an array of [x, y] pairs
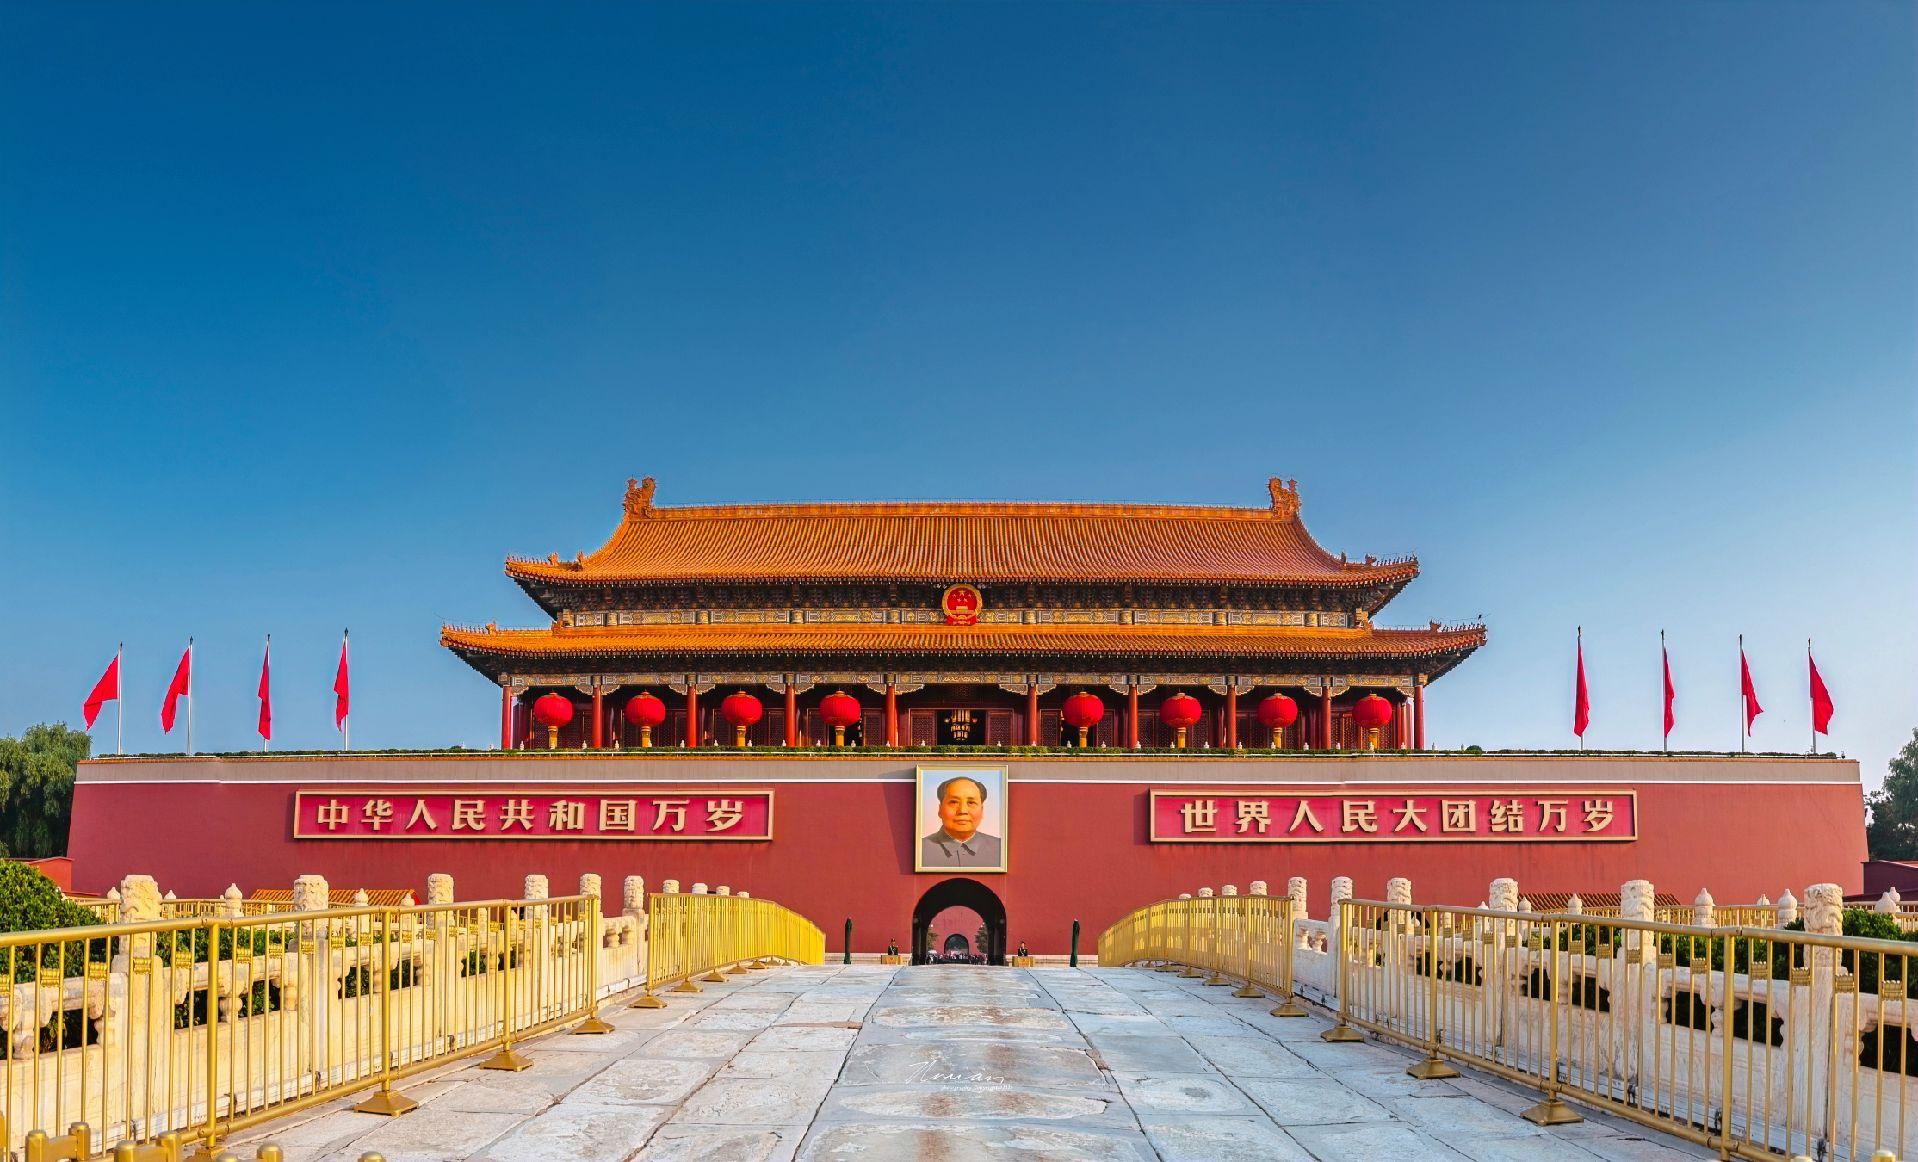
{"points": [[958, 1063]]}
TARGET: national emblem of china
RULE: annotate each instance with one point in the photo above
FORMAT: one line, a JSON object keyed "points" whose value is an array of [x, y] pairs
{"points": [[961, 604]]}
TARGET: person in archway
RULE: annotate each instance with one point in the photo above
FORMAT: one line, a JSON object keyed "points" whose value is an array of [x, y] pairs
{"points": [[959, 843], [892, 948], [1022, 949]]}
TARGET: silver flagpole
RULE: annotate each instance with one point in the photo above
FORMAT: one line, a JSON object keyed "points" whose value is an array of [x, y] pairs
{"points": [[1808, 706], [189, 695], [1664, 663], [346, 660], [1744, 707], [119, 699], [266, 666]]}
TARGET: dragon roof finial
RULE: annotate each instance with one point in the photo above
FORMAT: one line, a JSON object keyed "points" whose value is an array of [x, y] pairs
{"points": [[639, 496], [1285, 497]]}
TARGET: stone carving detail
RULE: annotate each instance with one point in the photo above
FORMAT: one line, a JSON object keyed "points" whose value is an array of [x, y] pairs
{"points": [[535, 888], [310, 894], [1504, 897], [1295, 888], [1575, 905], [1704, 910], [1398, 890], [1824, 909], [1229, 890], [670, 887], [1635, 901], [1205, 893], [1255, 888], [632, 896], [590, 884], [1341, 890], [700, 889], [723, 890], [439, 888], [1787, 908], [139, 899]]}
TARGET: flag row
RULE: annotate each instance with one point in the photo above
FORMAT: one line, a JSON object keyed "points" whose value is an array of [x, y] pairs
{"points": [[111, 689], [1822, 707]]}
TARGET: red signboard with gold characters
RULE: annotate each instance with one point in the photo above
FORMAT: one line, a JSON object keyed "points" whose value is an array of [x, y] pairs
{"points": [[1532, 815], [961, 605], [654, 814]]}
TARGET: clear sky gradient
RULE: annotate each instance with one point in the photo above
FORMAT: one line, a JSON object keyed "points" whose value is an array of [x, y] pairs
{"points": [[308, 318]]}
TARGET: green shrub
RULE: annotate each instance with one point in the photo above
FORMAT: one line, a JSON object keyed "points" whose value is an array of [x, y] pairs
{"points": [[30, 902]]}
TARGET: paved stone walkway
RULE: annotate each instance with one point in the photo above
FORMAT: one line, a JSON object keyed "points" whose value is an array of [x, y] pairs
{"points": [[957, 1064]]}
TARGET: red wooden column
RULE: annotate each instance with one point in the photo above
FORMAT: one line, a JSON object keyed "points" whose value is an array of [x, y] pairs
{"points": [[792, 714], [506, 718], [1032, 714], [1132, 715], [892, 716], [1325, 719], [1232, 717], [692, 715], [1418, 712], [599, 716]]}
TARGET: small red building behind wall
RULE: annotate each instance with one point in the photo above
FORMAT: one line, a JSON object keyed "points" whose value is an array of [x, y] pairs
{"points": [[747, 695]]}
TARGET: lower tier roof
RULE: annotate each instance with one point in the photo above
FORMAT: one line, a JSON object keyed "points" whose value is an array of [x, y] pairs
{"points": [[1430, 651]]}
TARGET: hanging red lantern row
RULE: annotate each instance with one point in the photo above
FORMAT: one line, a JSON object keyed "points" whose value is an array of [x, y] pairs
{"points": [[552, 711], [1181, 712], [645, 711], [839, 710], [1082, 712], [741, 710]]}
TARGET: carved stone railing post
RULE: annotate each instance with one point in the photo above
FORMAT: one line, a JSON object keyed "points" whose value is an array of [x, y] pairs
{"points": [[312, 896], [1787, 909], [1824, 916], [1634, 984], [1255, 888], [1704, 910]]}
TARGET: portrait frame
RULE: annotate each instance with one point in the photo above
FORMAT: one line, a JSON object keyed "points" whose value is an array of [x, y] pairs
{"points": [[996, 821]]}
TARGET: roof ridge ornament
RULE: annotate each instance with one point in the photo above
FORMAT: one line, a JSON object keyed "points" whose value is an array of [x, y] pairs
{"points": [[1285, 497], [639, 496]]}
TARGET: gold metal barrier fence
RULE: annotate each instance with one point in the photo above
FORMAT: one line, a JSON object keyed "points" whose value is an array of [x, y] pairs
{"points": [[192, 1029], [1243, 938], [1754, 1042], [696, 936]]}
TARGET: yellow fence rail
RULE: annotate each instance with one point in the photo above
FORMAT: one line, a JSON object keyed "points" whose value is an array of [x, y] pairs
{"points": [[187, 1030], [707, 937], [1753, 1040], [1243, 938]]}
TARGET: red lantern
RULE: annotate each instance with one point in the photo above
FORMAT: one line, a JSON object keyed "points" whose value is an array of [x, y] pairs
{"points": [[742, 710], [1277, 713], [1371, 713], [552, 711], [1180, 712], [645, 711], [1083, 712], [840, 710]]}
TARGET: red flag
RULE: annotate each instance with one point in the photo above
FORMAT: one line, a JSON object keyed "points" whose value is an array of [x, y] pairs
{"points": [[181, 686], [1821, 704], [266, 691], [107, 689], [1671, 692], [340, 688], [1750, 692], [1582, 703]]}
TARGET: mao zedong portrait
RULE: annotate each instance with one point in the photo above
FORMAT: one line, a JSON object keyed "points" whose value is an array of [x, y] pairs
{"points": [[959, 843]]}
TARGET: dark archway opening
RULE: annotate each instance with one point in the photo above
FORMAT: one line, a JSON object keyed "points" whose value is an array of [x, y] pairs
{"points": [[961, 893]]}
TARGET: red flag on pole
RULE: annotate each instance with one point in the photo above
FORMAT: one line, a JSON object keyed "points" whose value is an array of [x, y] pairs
{"points": [[266, 692], [1745, 688], [180, 687], [1671, 692], [1821, 705], [341, 687], [106, 690], [1582, 701]]}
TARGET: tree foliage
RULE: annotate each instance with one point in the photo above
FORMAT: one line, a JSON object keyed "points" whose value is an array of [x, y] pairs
{"points": [[1893, 830], [36, 789]]}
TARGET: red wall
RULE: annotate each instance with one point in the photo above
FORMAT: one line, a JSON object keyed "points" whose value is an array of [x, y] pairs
{"points": [[1076, 849]]}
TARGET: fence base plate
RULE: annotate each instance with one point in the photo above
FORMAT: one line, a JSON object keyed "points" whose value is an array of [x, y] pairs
{"points": [[591, 1024], [1551, 1112], [649, 1001], [507, 1060], [687, 986], [714, 978], [1432, 1069], [1290, 1007], [1215, 978], [1338, 1034], [1247, 991], [387, 1103], [1190, 974]]}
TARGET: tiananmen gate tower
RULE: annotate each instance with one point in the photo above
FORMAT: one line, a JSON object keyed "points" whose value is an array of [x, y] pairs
{"points": [[1023, 714]]}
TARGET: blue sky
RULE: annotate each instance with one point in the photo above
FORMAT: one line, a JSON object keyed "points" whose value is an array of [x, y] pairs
{"points": [[307, 318]]}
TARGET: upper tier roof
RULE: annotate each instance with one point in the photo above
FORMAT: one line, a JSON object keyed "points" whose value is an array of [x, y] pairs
{"points": [[978, 542]]}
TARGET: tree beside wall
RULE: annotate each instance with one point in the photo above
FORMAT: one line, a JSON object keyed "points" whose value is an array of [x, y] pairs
{"points": [[36, 789], [1893, 830]]}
